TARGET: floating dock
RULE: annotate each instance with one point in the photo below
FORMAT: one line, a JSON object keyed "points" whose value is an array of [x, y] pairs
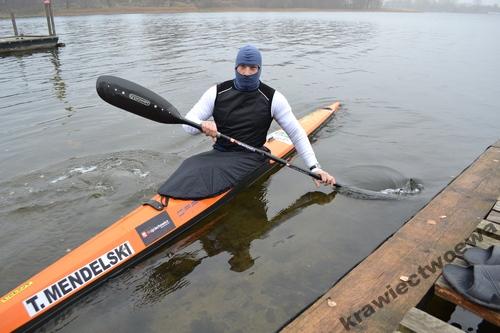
{"points": [[21, 42], [382, 292]]}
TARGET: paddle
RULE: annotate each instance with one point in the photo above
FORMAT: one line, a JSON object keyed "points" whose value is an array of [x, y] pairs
{"points": [[143, 102]]}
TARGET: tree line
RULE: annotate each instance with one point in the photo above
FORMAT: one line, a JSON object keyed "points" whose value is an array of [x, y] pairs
{"points": [[201, 4]]}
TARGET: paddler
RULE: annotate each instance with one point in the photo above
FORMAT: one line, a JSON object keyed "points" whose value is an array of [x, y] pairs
{"points": [[242, 108]]}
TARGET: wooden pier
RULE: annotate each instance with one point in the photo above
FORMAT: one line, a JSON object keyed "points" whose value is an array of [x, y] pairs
{"points": [[21, 42], [381, 293]]}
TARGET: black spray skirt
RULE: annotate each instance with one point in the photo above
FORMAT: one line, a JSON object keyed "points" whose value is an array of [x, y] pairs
{"points": [[210, 173]]}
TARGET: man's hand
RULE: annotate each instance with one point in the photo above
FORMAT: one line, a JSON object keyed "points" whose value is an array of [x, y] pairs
{"points": [[209, 128], [326, 178]]}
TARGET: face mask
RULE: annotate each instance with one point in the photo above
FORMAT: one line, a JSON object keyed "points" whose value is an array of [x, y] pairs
{"points": [[248, 55], [247, 83]]}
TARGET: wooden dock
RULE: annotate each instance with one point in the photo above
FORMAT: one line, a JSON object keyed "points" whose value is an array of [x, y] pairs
{"points": [[381, 293], [22, 43]]}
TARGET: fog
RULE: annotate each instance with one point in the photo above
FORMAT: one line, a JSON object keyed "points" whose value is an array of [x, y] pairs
{"points": [[35, 6]]}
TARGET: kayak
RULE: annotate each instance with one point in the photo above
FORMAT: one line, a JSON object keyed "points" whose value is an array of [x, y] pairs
{"points": [[126, 242]]}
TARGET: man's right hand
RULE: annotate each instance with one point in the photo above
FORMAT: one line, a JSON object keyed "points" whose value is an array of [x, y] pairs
{"points": [[209, 128]]}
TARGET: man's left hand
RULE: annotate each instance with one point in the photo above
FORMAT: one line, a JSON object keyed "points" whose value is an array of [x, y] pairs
{"points": [[326, 178]]}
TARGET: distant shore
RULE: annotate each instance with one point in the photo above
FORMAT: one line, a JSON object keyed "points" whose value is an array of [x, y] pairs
{"points": [[180, 9]]}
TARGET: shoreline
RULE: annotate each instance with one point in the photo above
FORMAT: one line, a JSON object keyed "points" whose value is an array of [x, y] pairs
{"points": [[185, 9]]}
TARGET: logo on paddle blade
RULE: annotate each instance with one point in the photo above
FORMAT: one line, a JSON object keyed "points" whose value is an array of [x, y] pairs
{"points": [[139, 99]]}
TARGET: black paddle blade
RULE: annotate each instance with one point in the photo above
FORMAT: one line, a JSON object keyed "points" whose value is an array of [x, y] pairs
{"points": [[137, 99]]}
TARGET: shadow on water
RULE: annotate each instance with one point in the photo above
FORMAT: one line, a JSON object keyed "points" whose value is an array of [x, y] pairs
{"points": [[232, 230], [236, 225]]}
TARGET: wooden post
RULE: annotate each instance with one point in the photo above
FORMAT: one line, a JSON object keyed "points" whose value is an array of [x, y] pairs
{"points": [[46, 5], [52, 18], [14, 24]]}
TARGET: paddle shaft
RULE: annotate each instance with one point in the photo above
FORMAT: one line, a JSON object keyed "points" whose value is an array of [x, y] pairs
{"points": [[137, 99], [259, 151]]}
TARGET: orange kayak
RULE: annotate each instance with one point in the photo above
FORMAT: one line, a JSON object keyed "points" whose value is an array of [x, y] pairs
{"points": [[125, 242]]}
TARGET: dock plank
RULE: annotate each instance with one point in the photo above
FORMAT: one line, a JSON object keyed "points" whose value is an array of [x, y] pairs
{"points": [[445, 291], [484, 243], [489, 228], [415, 246], [497, 207], [417, 321], [493, 216]]}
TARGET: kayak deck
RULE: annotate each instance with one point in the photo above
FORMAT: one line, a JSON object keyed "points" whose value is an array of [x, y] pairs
{"points": [[126, 241]]}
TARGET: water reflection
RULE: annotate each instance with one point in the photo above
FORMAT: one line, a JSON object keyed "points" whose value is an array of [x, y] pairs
{"points": [[59, 84], [231, 231], [26, 59]]}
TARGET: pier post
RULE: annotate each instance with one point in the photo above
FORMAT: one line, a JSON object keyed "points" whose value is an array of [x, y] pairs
{"points": [[49, 25], [14, 24], [51, 12]]}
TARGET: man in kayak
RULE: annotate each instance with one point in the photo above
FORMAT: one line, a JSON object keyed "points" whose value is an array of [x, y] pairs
{"points": [[242, 108]]}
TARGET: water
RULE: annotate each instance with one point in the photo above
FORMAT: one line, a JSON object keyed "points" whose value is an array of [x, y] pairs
{"points": [[420, 96]]}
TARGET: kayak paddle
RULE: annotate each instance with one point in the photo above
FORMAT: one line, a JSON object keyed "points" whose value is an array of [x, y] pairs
{"points": [[143, 102]]}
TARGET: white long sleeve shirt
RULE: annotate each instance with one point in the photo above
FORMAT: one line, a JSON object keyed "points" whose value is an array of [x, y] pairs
{"points": [[280, 111]]}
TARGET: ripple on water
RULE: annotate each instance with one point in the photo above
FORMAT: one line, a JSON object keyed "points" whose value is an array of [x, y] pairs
{"points": [[380, 182], [58, 207]]}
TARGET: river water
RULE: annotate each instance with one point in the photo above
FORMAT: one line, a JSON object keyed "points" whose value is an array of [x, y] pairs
{"points": [[420, 98]]}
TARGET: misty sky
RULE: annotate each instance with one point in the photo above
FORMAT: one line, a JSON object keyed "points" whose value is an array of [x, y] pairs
{"points": [[484, 2]]}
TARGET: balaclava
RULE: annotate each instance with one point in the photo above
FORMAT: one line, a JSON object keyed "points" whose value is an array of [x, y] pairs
{"points": [[248, 55]]}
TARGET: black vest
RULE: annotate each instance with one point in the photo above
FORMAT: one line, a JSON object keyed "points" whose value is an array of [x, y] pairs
{"points": [[242, 115]]}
